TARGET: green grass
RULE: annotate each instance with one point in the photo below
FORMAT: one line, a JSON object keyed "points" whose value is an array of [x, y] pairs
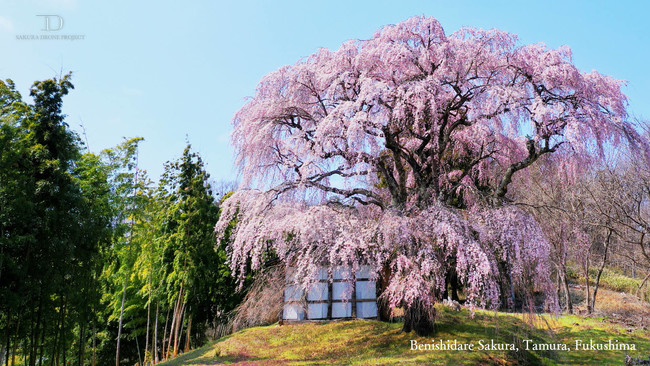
{"points": [[378, 343]]}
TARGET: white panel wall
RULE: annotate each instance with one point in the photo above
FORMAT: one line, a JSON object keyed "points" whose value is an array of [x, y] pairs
{"points": [[317, 311], [293, 293], [316, 307], [366, 290], [293, 312], [341, 290], [367, 309], [318, 291], [341, 310]]}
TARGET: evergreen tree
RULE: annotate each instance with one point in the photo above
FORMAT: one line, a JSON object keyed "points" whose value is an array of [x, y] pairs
{"points": [[198, 279]]}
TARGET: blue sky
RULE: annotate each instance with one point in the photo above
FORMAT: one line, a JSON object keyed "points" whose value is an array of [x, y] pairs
{"points": [[165, 70]]}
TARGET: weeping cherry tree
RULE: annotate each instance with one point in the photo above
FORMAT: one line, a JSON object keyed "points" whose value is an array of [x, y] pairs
{"points": [[398, 152]]}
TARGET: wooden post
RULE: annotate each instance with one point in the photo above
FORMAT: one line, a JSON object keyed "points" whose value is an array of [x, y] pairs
{"points": [[353, 300], [329, 294]]}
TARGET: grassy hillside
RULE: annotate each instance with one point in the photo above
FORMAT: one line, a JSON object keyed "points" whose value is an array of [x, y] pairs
{"points": [[373, 342]]}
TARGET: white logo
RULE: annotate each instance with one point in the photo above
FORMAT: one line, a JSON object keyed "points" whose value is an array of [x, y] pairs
{"points": [[49, 26]]}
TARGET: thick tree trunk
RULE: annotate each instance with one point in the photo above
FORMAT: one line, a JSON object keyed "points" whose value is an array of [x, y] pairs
{"points": [[454, 286], [383, 310], [419, 319], [506, 288]]}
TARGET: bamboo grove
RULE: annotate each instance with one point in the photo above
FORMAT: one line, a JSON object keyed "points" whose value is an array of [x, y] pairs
{"points": [[99, 265]]}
